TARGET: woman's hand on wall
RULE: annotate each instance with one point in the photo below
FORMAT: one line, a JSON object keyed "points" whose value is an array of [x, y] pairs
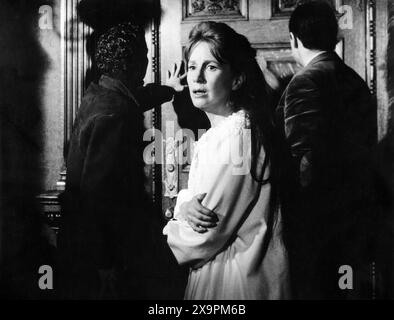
{"points": [[174, 79]]}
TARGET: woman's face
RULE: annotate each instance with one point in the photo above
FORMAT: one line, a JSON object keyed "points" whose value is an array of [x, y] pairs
{"points": [[210, 83]]}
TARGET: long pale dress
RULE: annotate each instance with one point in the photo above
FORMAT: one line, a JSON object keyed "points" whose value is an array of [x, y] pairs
{"points": [[238, 259]]}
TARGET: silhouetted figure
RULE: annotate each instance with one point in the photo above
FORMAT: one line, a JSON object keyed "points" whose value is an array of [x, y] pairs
{"points": [[23, 64], [110, 244]]}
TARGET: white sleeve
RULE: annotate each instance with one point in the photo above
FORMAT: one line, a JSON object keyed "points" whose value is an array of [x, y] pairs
{"points": [[230, 192], [183, 196]]}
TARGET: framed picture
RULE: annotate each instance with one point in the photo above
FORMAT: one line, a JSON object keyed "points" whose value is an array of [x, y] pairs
{"points": [[284, 8], [215, 10], [278, 59]]}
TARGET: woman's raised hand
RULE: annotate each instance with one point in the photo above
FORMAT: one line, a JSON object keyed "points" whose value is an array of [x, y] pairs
{"points": [[174, 78], [198, 217]]}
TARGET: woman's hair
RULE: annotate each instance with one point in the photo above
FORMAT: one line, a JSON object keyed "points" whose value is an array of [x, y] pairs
{"points": [[234, 49]]}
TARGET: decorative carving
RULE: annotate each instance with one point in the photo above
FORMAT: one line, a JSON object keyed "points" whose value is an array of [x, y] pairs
{"points": [[213, 7], [285, 7], [155, 169], [171, 173], [359, 5], [371, 20], [198, 6], [200, 9], [288, 4]]}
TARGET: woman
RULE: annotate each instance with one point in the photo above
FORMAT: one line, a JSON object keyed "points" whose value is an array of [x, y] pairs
{"points": [[227, 224]]}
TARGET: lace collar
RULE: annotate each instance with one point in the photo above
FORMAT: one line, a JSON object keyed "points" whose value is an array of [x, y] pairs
{"points": [[234, 122]]}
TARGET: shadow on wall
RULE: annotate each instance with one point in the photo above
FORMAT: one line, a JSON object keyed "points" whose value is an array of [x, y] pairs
{"points": [[22, 67]]}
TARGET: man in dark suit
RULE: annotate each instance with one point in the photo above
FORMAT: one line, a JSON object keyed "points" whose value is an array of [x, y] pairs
{"points": [[329, 123], [110, 240]]}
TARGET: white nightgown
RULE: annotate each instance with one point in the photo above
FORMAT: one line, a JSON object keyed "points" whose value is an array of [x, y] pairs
{"points": [[236, 259]]}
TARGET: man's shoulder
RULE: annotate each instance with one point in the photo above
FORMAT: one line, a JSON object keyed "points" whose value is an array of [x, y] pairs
{"points": [[326, 74], [102, 101], [303, 79], [351, 76], [318, 69], [337, 74]]}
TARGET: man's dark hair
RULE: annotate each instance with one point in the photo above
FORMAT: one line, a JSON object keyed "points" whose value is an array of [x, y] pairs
{"points": [[119, 48], [316, 25]]}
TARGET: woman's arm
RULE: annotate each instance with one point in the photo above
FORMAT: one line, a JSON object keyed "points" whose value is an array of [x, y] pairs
{"points": [[229, 195], [153, 95]]}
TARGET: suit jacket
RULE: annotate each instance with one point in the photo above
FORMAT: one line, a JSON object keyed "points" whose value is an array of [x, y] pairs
{"points": [[328, 120]]}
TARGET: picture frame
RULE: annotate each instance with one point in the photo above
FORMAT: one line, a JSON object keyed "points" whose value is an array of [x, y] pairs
{"points": [[200, 10], [284, 8]]}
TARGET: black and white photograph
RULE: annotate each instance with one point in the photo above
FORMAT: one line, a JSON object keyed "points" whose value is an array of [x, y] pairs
{"points": [[196, 150]]}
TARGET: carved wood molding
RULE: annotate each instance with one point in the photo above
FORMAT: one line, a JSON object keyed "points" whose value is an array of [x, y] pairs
{"points": [[371, 44], [156, 113], [215, 10], [284, 8]]}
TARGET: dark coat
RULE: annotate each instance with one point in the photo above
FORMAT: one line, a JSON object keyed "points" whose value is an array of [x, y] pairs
{"points": [[109, 221], [328, 119]]}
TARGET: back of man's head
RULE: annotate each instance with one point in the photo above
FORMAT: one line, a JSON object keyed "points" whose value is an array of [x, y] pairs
{"points": [[316, 25], [120, 49]]}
